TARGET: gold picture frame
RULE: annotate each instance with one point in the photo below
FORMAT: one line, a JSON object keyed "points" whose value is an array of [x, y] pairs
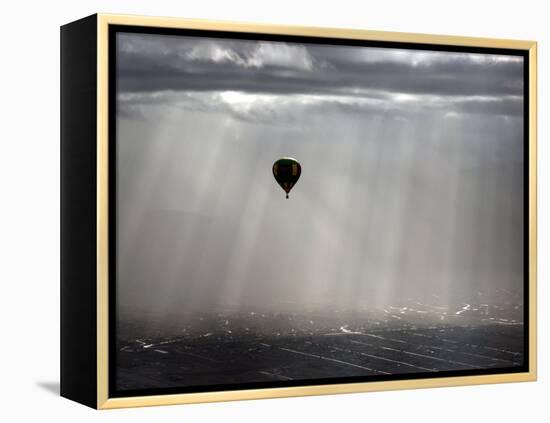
{"points": [[98, 362]]}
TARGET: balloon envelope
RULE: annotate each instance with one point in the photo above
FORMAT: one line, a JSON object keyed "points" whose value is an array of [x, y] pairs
{"points": [[287, 172]]}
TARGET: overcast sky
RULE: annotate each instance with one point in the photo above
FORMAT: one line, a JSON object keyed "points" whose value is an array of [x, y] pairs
{"points": [[411, 186]]}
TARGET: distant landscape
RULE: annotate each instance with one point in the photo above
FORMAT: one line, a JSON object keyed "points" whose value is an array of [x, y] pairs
{"points": [[229, 347]]}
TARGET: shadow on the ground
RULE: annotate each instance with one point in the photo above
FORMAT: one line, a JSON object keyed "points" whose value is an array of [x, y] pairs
{"points": [[51, 387]]}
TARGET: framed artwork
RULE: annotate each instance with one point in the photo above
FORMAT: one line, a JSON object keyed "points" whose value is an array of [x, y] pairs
{"points": [[255, 211]]}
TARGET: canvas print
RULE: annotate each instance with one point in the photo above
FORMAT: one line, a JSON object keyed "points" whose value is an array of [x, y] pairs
{"points": [[293, 212]]}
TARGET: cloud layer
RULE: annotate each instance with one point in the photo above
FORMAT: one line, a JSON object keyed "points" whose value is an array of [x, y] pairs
{"points": [[153, 63]]}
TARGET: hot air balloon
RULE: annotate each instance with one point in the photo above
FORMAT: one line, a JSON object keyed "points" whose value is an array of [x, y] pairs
{"points": [[287, 172]]}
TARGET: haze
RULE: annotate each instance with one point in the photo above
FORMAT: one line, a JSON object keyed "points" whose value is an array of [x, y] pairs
{"points": [[411, 186]]}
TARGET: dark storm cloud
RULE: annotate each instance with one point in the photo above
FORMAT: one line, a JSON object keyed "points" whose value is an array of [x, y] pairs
{"points": [[148, 63]]}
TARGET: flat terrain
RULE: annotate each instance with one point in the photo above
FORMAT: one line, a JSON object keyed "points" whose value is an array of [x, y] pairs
{"points": [[219, 357]]}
